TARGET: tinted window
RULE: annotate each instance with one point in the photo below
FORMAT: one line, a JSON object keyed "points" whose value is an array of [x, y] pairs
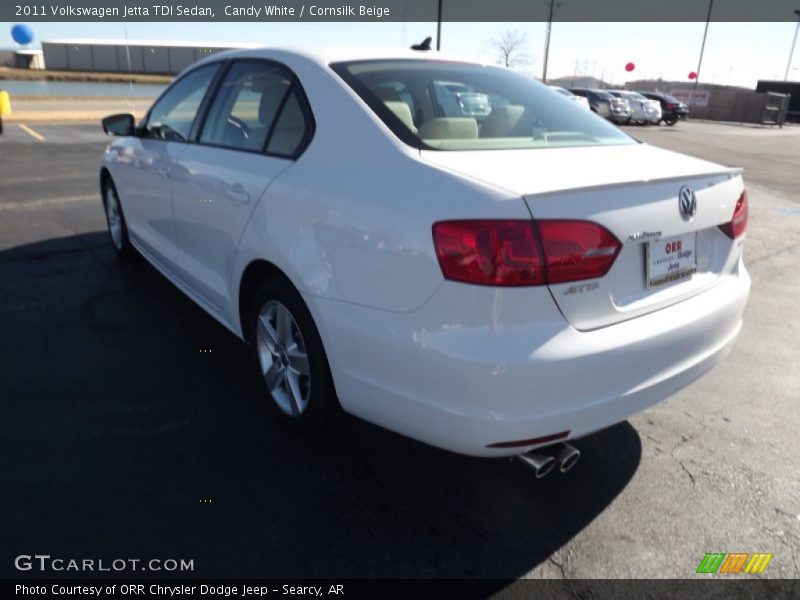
{"points": [[246, 105], [172, 115], [290, 128], [459, 106]]}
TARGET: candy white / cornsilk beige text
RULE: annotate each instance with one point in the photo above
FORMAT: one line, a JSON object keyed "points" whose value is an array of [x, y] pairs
{"points": [[276, 10]]}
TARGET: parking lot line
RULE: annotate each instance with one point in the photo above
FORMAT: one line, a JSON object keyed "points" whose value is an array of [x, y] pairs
{"points": [[45, 202], [31, 132]]}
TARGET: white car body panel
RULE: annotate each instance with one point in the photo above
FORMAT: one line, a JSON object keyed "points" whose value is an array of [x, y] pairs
{"points": [[143, 167], [212, 203], [458, 366]]}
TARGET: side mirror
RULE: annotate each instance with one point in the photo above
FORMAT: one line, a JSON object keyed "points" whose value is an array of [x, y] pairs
{"points": [[122, 124]]}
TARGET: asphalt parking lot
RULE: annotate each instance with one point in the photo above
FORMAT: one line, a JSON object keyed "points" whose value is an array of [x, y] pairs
{"points": [[131, 425]]}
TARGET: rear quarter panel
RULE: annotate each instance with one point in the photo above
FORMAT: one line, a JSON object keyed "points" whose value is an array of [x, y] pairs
{"points": [[351, 219]]}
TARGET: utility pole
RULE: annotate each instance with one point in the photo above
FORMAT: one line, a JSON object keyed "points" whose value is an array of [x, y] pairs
{"points": [[794, 41], [703, 46], [439, 28], [547, 40]]}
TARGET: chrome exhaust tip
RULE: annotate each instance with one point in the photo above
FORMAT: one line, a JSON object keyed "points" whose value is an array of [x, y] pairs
{"points": [[540, 464], [568, 457]]}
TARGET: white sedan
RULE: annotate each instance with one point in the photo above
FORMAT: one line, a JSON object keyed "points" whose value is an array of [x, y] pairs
{"points": [[584, 102], [495, 288]]}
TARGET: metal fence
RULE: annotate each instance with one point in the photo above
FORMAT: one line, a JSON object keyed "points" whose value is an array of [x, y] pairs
{"points": [[738, 106]]}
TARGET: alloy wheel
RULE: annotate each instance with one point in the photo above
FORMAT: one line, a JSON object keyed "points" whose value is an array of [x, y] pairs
{"points": [[114, 217], [283, 358]]}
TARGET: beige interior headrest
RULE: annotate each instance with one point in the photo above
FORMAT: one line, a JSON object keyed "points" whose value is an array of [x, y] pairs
{"points": [[449, 128], [503, 121], [403, 112]]}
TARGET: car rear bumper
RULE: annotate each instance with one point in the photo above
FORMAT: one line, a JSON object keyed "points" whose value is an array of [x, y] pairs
{"points": [[677, 114], [619, 115], [462, 379]]}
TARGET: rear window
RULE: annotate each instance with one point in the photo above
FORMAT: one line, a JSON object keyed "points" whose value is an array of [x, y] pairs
{"points": [[458, 106]]}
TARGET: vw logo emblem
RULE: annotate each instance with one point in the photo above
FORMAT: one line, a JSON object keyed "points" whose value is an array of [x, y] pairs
{"points": [[687, 203]]}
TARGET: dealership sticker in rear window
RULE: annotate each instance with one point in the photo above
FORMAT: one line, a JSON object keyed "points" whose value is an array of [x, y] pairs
{"points": [[671, 259]]}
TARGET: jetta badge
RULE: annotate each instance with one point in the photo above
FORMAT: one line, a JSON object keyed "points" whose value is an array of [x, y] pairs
{"points": [[687, 203]]}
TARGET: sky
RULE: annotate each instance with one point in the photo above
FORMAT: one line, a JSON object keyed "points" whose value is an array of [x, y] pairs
{"points": [[735, 54]]}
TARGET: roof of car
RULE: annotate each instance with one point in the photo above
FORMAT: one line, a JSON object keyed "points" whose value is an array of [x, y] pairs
{"points": [[325, 55]]}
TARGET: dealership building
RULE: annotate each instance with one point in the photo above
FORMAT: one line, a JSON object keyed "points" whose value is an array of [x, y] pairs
{"points": [[124, 56]]}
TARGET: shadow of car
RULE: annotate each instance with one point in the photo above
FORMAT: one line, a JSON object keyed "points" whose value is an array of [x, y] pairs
{"points": [[135, 423]]}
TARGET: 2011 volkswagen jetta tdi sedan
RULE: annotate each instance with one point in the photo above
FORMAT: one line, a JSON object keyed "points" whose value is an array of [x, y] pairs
{"points": [[487, 282]]}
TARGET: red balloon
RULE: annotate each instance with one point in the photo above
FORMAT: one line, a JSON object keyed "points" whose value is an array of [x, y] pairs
{"points": [[630, 67], [692, 75]]}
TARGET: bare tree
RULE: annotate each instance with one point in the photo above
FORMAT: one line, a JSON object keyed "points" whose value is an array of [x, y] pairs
{"points": [[510, 47]]}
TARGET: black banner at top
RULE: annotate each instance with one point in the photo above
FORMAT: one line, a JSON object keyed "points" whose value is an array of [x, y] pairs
{"points": [[398, 10]]}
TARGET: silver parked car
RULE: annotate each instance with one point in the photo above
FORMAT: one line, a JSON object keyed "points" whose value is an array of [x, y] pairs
{"points": [[643, 110]]}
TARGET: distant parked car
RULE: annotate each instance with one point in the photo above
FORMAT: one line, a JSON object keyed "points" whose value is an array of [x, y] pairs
{"points": [[606, 105], [672, 109], [581, 100], [458, 100], [643, 110]]}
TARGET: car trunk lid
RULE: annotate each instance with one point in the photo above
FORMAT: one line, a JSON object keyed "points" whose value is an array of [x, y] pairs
{"points": [[633, 191]]}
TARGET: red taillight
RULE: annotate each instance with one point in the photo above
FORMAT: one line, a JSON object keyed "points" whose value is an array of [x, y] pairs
{"points": [[577, 250], [738, 222], [671, 106], [488, 252], [509, 252]]}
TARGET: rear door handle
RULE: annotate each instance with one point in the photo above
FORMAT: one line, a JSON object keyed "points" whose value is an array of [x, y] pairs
{"points": [[238, 194]]}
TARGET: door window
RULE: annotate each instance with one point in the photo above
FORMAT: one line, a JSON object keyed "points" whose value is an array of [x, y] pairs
{"points": [[247, 105], [172, 115]]}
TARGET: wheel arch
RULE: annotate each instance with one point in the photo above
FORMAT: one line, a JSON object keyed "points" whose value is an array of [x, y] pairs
{"points": [[105, 177], [252, 277]]}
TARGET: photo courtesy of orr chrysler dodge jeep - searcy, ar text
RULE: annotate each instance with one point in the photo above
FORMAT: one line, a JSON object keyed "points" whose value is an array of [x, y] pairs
{"points": [[450, 250]]}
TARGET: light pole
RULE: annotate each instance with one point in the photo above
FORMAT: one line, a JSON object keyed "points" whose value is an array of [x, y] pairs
{"points": [[794, 41], [439, 27], [703, 46], [547, 40]]}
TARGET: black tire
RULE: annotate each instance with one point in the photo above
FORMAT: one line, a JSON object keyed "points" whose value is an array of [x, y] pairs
{"points": [[321, 404], [671, 121], [119, 241]]}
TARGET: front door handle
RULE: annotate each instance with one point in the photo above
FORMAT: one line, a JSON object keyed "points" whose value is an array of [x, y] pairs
{"points": [[238, 194]]}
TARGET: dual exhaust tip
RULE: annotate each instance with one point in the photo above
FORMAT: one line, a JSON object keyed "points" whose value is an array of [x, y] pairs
{"points": [[543, 460]]}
